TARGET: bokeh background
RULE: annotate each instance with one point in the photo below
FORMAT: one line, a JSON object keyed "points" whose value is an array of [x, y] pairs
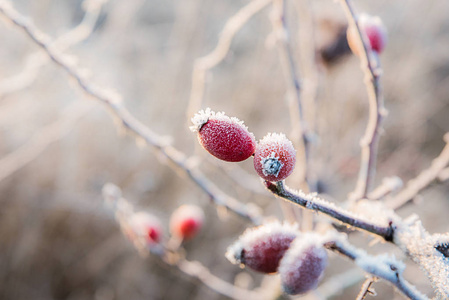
{"points": [[58, 147]]}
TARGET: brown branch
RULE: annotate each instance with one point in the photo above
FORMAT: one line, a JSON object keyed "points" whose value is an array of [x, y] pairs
{"points": [[370, 140], [311, 202]]}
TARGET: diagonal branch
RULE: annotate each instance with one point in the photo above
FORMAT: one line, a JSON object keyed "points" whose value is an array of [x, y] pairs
{"points": [[112, 101]]}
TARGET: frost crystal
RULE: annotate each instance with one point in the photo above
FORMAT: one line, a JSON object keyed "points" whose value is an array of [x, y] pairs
{"points": [[201, 118]]}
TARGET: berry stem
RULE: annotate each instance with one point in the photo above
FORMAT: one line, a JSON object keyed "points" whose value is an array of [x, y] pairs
{"points": [[311, 202], [370, 140]]}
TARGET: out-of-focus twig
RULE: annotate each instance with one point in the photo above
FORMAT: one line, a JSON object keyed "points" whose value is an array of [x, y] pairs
{"points": [[336, 284], [299, 126], [36, 60], [389, 185], [123, 212], [382, 266], [125, 119], [45, 136], [370, 140], [416, 185], [203, 64]]}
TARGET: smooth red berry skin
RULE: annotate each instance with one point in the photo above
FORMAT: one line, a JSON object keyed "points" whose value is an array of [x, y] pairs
{"points": [[262, 248], [186, 221], [302, 268], [275, 157], [224, 137], [374, 30]]}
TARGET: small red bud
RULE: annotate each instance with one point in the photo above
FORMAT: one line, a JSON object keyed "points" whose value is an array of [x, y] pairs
{"points": [[275, 157], [303, 265], [186, 221], [261, 248], [225, 138], [146, 226], [375, 32]]}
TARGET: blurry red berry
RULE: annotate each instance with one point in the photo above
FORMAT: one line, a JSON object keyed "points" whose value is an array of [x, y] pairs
{"points": [[303, 265], [146, 226], [261, 248], [375, 32], [224, 137], [186, 221], [275, 157]]}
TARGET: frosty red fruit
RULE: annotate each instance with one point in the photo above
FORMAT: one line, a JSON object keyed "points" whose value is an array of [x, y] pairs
{"points": [[186, 221], [275, 157], [225, 138], [374, 30], [146, 226], [261, 248], [303, 265]]}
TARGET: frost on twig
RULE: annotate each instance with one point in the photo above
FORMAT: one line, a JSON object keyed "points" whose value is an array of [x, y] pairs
{"points": [[133, 126], [381, 266], [312, 202], [430, 252]]}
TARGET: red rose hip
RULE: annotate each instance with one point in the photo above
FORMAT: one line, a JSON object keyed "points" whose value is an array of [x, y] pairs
{"points": [[275, 157], [225, 138], [303, 265], [375, 32], [146, 226], [261, 248], [186, 221]]}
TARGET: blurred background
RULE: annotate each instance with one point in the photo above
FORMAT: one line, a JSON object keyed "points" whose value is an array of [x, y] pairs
{"points": [[58, 147]]}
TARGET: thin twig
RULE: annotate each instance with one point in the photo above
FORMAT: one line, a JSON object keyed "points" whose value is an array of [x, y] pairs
{"points": [[423, 180], [312, 202], [382, 266], [36, 60], [123, 211], [365, 290], [203, 64], [370, 140], [40, 141], [388, 186], [296, 110], [125, 119]]}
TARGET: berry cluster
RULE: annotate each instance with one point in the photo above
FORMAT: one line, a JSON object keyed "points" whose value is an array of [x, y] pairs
{"points": [[185, 222], [299, 258], [229, 139]]}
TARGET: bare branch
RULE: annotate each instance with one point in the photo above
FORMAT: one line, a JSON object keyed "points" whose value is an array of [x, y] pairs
{"points": [[381, 266], [312, 202], [125, 119], [370, 140], [389, 185], [366, 288], [423, 180], [205, 63]]}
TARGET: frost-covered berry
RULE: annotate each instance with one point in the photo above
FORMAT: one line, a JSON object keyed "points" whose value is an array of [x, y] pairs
{"points": [[224, 137], [303, 265], [261, 248], [146, 226], [275, 157], [186, 221], [374, 30]]}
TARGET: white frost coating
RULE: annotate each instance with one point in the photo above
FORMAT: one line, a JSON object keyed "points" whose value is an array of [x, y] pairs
{"points": [[271, 165], [278, 138], [140, 223], [255, 234], [414, 240], [297, 248], [201, 118], [375, 211]]}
